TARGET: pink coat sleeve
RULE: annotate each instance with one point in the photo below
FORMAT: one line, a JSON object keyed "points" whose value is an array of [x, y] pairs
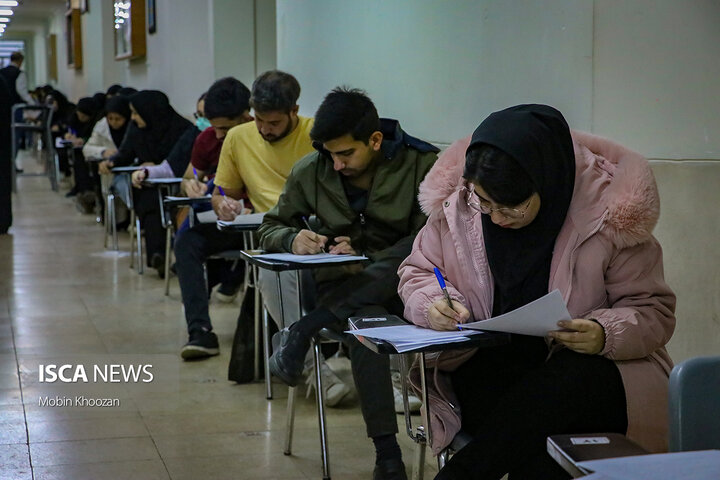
{"points": [[641, 316], [418, 287]]}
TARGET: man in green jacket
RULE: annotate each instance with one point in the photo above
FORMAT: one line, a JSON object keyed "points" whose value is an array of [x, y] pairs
{"points": [[361, 185]]}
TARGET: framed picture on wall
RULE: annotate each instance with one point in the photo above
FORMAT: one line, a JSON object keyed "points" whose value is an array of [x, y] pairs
{"points": [[73, 37], [151, 19], [129, 28]]}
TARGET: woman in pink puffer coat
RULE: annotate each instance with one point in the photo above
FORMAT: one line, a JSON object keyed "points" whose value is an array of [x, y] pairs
{"points": [[539, 207]]}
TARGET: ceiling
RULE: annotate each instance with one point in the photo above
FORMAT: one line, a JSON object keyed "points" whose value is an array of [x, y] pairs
{"points": [[30, 14]]}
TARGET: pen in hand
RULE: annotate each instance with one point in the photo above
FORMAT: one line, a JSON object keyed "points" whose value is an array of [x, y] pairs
{"points": [[307, 225], [196, 177], [441, 281]]}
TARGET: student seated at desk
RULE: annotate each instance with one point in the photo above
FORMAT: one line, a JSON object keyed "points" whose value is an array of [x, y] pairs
{"points": [[361, 185], [79, 130], [178, 162], [539, 207], [255, 159], [156, 132]]}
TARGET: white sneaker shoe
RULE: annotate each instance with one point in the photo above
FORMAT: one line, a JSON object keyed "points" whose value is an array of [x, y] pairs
{"points": [[335, 389], [413, 401]]}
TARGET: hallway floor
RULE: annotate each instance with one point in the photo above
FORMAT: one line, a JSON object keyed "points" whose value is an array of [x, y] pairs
{"points": [[64, 299]]}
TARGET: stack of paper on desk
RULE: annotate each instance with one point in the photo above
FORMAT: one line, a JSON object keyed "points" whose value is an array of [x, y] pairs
{"points": [[249, 219], [317, 258], [410, 337], [536, 318]]}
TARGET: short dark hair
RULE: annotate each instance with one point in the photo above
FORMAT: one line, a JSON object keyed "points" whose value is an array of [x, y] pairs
{"points": [[16, 56], [113, 89], [498, 173], [345, 111], [227, 97], [274, 91]]}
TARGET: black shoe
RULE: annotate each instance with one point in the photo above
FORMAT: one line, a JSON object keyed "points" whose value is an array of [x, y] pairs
{"points": [[201, 344], [158, 263], [390, 469], [73, 191], [288, 358]]}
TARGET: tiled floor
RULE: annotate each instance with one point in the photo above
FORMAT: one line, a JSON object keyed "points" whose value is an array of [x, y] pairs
{"points": [[64, 299]]}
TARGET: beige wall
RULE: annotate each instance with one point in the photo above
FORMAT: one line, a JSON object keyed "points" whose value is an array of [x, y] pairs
{"points": [[197, 41]]}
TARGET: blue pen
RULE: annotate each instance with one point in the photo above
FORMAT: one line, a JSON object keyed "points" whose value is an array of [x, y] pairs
{"points": [[441, 281], [195, 174], [222, 192]]}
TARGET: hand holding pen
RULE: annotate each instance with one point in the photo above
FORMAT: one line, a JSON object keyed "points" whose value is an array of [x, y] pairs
{"points": [[228, 208], [446, 313], [307, 242]]}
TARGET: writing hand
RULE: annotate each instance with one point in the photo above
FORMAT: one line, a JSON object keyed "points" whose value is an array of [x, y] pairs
{"points": [[307, 242], [228, 209], [342, 247], [194, 188], [442, 317], [138, 176], [585, 336]]}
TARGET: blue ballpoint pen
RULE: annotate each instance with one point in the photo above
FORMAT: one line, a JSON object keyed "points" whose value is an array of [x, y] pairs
{"points": [[441, 281]]}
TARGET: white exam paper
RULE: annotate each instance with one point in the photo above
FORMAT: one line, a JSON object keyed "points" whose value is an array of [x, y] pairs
{"points": [[537, 318], [248, 219], [208, 216], [318, 258], [697, 465]]}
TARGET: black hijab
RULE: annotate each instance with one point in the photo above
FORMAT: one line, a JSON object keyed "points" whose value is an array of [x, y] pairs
{"points": [[89, 107], [164, 125], [538, 138], [121, 106]]}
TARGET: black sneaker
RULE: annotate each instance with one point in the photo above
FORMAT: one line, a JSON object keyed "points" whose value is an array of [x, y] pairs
{"points": [[288, 358], [158, 263], [390, 469], [201, 344]]}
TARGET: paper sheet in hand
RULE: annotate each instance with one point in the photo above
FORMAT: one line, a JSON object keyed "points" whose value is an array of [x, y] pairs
{"points": [[249, 219], [410, 337], [701, 465], [536, 318], [318, 258]]}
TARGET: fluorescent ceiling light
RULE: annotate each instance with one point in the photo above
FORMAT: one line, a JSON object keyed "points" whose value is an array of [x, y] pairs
{"points": [[5, 11], [8, 3], [4, 20]]}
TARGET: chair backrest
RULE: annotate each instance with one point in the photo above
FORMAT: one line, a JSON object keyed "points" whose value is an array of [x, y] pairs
{"points": [[694, 405]]}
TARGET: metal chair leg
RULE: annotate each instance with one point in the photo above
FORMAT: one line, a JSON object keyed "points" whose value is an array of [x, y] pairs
{"points": [[168, 240], [418, 471], [319, 395], [131, 228], [290, 421], [257, 328], [138, 240], [266, 352]]}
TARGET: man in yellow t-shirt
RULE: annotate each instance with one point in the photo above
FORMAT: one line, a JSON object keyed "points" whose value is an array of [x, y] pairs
{"points": [[255, 158]]}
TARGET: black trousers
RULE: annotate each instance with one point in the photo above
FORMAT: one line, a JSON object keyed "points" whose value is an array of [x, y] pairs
{"points": [[147, 208], [371, 292], [512, 399], [192, 247]]}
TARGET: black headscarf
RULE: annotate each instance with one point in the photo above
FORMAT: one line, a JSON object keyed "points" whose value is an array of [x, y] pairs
{"points": [[89, 107], [164, 125], [120, 105], [100, 99], [538, 138]]}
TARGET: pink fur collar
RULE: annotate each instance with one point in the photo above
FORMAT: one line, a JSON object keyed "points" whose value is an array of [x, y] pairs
{"points": [[629, 206]]}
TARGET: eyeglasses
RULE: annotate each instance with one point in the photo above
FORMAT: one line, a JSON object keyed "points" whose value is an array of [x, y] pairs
{"points": [[483, 206], [198, 115]]}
